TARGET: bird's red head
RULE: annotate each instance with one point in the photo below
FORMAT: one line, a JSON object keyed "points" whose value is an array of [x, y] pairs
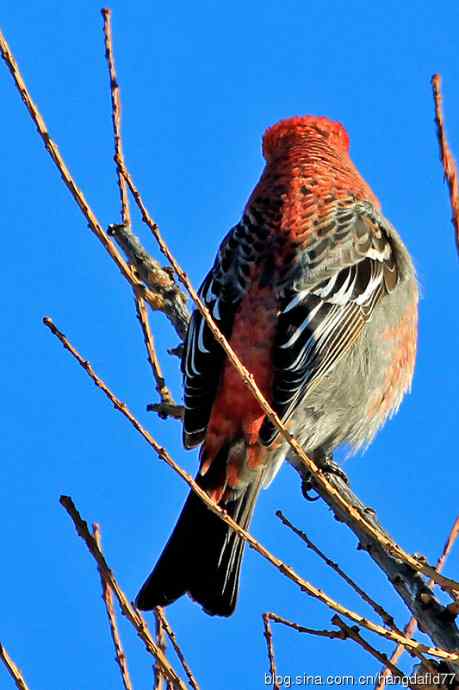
{"points": [[285, 133]]}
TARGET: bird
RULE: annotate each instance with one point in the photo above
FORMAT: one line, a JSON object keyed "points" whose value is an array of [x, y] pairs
{"points": [[317, 294]]}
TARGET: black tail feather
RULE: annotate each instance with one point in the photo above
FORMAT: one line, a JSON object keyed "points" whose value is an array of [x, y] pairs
{"points": [[202, 557]]}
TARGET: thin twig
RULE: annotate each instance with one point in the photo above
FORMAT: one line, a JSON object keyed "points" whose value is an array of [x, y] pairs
{"points": [[131, 613], [354, 634], [331, 634], [253, 543], [385, 616], [177, 313], [13, 670], [447, 159], [161, 641], [270, 648], [320, 478], [107, 596], [269, 616], [449, 543], [116, 112], [163, 390], [141, 310], [53, 151], [410, 627], [178, 650]]}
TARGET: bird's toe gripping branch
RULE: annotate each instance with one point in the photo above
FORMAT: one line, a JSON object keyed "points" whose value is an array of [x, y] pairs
{"points": [[329, 466]]}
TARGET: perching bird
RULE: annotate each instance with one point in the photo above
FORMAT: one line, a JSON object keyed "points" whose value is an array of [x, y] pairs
{"points": [[317, 295]]}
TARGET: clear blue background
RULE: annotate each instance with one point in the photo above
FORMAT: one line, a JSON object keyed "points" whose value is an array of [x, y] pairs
{"points": [[200, 82]]}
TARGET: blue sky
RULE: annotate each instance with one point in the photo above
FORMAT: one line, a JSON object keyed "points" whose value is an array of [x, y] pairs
{"points": [[200, 82]]}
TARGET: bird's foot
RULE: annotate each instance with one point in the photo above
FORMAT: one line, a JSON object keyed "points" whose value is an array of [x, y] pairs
{"points": [[329, 466], [308, 489], [326, 464]]}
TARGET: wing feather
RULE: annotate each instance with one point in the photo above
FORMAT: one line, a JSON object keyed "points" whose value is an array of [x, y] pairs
{"points": [[320, 320], [203, 358]]}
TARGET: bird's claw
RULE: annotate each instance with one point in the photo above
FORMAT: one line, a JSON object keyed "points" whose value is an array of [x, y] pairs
{"points": [[329, 466], [307, 487]]}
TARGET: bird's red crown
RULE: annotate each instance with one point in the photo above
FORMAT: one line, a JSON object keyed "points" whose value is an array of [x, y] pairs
{"points": [[294, 129]]}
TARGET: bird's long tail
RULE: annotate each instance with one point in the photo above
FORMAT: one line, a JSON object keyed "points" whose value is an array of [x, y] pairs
{"points": [[203, 556]]}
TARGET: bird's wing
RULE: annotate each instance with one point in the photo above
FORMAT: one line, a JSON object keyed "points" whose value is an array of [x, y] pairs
{"points": [[349, 268], [222, 292]]}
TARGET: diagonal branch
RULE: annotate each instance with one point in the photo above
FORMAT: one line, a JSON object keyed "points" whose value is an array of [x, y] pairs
{"points": [[128, 610], [167, 407], [12, 669], [410, 627], [54, 152], [269, 617], [178, 650], [331, 634], [161, 640], [385, 616], [447, 159], [107, 597], [434, 619], [268, 633], [116, 113], [156, 301], [354, 634], [286, 570]]}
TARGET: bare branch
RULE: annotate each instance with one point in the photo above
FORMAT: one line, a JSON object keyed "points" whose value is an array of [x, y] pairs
{"points": [[13, 670], [131, 613], [434, 619], [164, 393], [178, 650], [410, 627], [275, 618], [116, 113], [354, 634], [331, 634], [155, 301], [107, 597], [286, 570], [447, 159], [161, 641], [53, 151], [450, 541], [270, 648], [386, 617]]}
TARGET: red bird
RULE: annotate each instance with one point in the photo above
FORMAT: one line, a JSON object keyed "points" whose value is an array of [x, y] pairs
{"points": [[317, 295]]}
